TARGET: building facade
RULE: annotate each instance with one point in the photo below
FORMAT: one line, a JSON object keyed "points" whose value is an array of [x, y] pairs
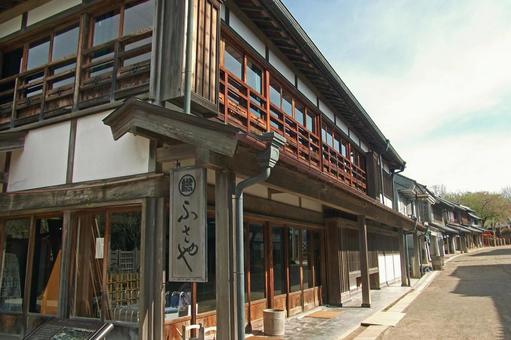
{"points": [[92, 127]]}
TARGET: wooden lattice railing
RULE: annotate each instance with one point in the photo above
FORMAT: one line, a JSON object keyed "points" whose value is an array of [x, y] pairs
{"points": [[246, 108], [108, 72]]}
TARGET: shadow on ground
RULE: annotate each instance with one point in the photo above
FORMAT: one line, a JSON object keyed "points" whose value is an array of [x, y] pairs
{"points": [[489, 280]]}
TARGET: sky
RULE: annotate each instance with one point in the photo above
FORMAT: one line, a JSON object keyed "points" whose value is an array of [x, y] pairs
{"points": [[434, 75]]}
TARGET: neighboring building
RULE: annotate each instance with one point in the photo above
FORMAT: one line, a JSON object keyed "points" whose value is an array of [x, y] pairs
{"points": [[91, 127]]}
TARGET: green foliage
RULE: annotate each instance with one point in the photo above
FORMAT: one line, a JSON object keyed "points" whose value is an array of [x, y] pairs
{"points": [[493, 208]]}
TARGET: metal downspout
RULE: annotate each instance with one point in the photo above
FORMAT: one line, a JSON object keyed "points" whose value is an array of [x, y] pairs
{"points": [[188, 63], [381, 173], [240, 260]]}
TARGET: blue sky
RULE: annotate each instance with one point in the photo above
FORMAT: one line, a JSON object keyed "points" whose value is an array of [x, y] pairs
{"points": [[435, 76]]}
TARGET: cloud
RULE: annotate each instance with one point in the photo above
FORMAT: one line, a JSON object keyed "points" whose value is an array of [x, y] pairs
{"points": [[428, 72]]}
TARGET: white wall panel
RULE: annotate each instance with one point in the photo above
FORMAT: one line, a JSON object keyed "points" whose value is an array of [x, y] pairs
{"points": [[364, 147], [354, 138], [307, 92], [98, 156], [389, 267], [43, 161], [341, 125], [10, 26], [281, 67], [286, 198], [311, 205], [49, 9], [326, 110], [397, 265], [381, 268], [245, 32]]}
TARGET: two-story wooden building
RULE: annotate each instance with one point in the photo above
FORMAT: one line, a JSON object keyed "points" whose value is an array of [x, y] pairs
{"points": [[91, 125]]}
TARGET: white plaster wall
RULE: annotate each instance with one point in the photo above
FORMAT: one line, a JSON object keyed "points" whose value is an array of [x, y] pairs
{"points": [[354, 137], [10, 26], [311, 205], [43, 160], [258, 190], [98, 156], [381, 268], [387, 202], [326, 110], [286, 198], [397, 265], [280, 66], [48, 9], [341, 125], [364, 147], [245, 32], [307, 92], [389, 267]]}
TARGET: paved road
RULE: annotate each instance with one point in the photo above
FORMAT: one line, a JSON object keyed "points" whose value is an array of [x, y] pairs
{"points": [[470, 299]]}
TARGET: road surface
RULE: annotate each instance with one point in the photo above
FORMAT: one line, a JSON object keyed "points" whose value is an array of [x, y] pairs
{"points": [[469, 299]]}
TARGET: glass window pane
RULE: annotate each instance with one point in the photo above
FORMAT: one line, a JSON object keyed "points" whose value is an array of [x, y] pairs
{"points": [[275, 94], [106, 28], [206, 292], [139, 17], [123, 276], [310, 123], [65, 44], [344, 149], [233, 61], [257, 269], [44, 294], [254, 77], [279, 276], [38, 54], [300, 113], [317, 258], [294, 260], [287, 103], [337, 144], [14, 265], [88, 259]]}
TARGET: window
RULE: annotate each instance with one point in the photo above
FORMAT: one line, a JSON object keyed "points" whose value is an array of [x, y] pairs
{"points": [[279, 277], [44, 294], [310, 122], [111, 239], [138, 17], [65, 43], [11, 62], [206, 292], [38, 54], [300, 113], [294, 260], [287, 103], [106, 28], [254, 77], [257, 263], [275, 94], [233, 61], [16, 235]]}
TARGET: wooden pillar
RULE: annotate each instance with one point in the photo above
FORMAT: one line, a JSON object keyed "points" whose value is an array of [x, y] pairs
{"points": [[416, 267], [364, 261], [334, 263], [403, 252], [151, 300], [225, 317], [68, 225]]}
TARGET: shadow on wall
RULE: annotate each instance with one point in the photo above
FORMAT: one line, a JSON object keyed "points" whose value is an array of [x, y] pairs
{"points": [[492, 280]]}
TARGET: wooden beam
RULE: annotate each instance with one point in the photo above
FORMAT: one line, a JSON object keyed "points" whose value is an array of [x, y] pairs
{"points": [[23, 7], [152, 121], [86, 195], [364, 261]]}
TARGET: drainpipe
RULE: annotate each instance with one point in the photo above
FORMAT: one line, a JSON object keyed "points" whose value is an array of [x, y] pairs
{"points": [[188, 62], [267, 159]]}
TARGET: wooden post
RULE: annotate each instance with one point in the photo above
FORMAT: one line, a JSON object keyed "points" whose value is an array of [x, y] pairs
{"points": [[416, 270], [224, 188], [364, 261], [63, 304], [152, 269], [403, 252], [334, 270]]}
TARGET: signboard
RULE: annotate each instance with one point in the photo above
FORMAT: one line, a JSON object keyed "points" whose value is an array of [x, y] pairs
{"points": [[54, 329], [188, 225]]}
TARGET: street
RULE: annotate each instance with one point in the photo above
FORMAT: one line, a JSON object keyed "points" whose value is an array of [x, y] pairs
{"points": [[469, 299]]}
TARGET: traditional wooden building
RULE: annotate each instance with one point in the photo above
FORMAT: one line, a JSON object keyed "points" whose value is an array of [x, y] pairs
{"points": [[92, 124]]}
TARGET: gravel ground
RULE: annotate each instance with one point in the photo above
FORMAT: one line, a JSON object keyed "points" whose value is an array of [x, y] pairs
{"points": [[470, 299]]}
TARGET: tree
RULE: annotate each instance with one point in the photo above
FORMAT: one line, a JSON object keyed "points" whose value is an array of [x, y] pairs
{"points": [[493, 208]]}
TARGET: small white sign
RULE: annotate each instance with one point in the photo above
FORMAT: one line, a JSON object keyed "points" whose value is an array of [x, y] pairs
{"points": [[100, 246], [188, 225]]}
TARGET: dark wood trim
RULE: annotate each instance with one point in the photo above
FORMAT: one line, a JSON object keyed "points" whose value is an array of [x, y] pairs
{"points": [[29, 271], [83, 194], [71, 151], [7, 166]]}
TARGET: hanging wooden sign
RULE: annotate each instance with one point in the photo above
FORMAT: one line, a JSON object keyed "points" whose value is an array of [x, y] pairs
{"points": [[188, 225]]}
